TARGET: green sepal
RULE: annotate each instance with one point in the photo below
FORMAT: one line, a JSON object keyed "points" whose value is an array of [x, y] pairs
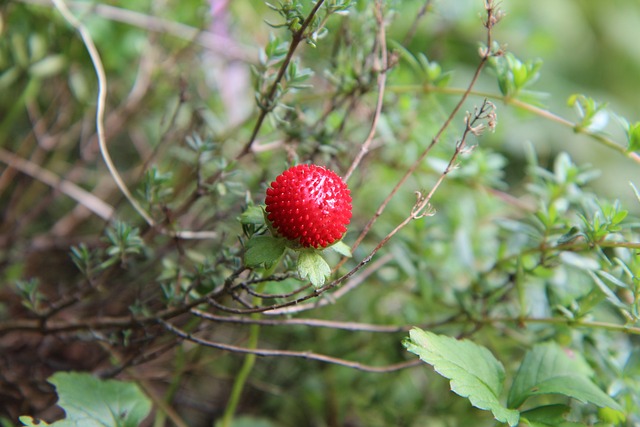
{"points": [[253, 215], [312, 266], [263, 251], [341, 248]]}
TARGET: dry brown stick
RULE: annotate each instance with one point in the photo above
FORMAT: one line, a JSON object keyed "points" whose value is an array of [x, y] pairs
{"points": [[83, 197]]}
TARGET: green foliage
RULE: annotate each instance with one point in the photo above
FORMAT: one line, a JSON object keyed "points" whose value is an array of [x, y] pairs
{"points": [[477, 375], [633, 134], [123, 241], [155, 186], [474, 372], [548, 369], [264, 250], [313, 267], [514, 76], [29, 291], [88, 401], [592, 115], [430, 72], [548, 416]]}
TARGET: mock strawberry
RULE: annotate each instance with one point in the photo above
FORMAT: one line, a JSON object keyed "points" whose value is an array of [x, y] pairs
{"points": [[310, 205]]}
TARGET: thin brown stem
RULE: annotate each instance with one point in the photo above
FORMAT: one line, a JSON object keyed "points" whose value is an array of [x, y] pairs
{"points": [[289, 353], [538, 111], [411, 170], [298, 36], [314, 323], [382, 79]]}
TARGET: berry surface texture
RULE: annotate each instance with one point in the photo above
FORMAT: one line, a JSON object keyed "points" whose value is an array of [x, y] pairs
{"points": [[310, 205]]}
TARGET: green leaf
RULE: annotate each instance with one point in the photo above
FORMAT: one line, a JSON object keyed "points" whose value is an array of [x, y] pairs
{"points": [[633, 135], [611, 416], [569, 236], [249, 421], [474, 372], [91, 402], [342, 248], [635, 190], [252, 215], [548, 369], [311, 265], [47, 67], [548, 416], [263, 251]]}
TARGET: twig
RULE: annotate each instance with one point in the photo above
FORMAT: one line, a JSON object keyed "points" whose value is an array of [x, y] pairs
{"points": [[483, 60], [382, 79], [538, 111], [85, 198], [420, 209], [298, 36], [100, 108], [288, 353], [414, 26], [102, 143], [350, 285], [314, 323]]}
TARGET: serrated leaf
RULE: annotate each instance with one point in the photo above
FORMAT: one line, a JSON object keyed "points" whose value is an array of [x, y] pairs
{"points": [[90, 402], [548, 369], [263, 251], [312, 266], [474, 372]]}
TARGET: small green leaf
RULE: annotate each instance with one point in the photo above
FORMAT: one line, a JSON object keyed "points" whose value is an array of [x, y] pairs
{"points": [[635, 190], [569, 236], [252, 215], [342, 248], [263, 250], [474, 372], [611, 416], [633, 135], [548, 369], [91, 402], [578, 261], [548, 416], [311, 265], [47, 67]]}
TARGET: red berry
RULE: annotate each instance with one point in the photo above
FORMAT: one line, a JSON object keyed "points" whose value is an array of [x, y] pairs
{"points": [[309, 204]]}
